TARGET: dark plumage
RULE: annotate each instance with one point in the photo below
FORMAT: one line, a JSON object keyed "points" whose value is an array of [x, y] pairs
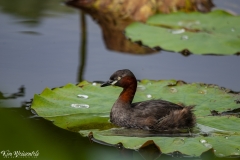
{"points": [[148, 115]]}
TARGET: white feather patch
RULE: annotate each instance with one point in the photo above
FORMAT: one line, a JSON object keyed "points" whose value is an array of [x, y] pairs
{"points": [[114, 82]]}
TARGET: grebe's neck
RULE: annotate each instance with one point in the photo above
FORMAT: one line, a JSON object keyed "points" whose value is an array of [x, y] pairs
{"points": [[129, 89]]}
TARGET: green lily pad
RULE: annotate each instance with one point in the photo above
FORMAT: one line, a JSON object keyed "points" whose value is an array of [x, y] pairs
{"points": [[217, 32], [85, 108]]}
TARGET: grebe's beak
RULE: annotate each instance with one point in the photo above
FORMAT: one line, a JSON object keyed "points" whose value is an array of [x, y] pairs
{"points": [[108, 83]]}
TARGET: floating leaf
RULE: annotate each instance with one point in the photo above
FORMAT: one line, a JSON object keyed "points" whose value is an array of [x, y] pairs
{"points": [[217, 32], [218, 132]]}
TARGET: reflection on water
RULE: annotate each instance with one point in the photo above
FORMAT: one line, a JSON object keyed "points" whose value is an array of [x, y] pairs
{"points": [[113, 20], [83, 46], [112, 28], [20, 93], [30, 32], [32, 10]]}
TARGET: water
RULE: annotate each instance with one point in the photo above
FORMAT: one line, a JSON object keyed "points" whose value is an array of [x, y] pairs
{"points": [[179, 31], [178, 141], [203, 91], [94, 84], [82, 96], [141, 87], [184, 37], [205, 143], [39, 48], [173, 90], [80, 105], [149, 96], [188, 24]]}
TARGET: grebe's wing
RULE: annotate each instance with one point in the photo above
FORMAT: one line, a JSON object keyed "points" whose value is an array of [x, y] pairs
{"points": [[156, 103], [156, 108]]}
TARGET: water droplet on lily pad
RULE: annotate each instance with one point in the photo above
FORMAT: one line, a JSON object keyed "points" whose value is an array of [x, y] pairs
{"points": [[184, 37], [94, 83], [197, 22], [221, 155], [180, 23], [149, 96], [177, 154], [177, 31], [226, 137], [119, 145], [173, 90], [80, 105], [203, 141], [207, 145], [141, 87], [203, 91], [178, 141], [233, 29], [82, 96], [237, 152]]}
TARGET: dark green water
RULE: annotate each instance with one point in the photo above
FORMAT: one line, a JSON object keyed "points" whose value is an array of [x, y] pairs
{"points": [[39, 47]]}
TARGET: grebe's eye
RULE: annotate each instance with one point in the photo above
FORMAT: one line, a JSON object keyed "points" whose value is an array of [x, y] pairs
{"points": [[119, 78]]}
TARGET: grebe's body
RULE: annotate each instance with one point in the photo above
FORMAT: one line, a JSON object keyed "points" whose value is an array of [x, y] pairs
{"points": [[147, 115]]}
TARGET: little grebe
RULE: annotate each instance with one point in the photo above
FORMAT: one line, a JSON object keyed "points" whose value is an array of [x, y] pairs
{"points": [[148, 115]]}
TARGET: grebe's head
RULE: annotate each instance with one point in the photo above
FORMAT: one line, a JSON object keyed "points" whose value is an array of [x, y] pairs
{"points": [[121, 78]]}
